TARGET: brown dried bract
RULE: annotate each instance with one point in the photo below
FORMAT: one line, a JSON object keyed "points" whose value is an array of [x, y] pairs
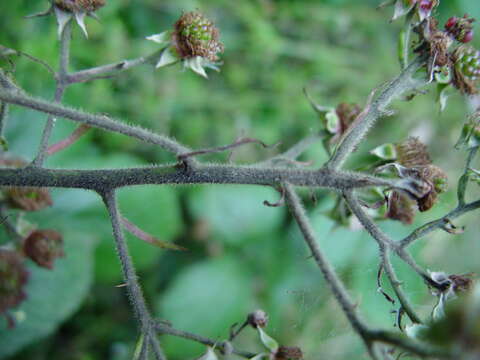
{"points": [[13, 278], [288, 353], [412, 153], [27, 198]]}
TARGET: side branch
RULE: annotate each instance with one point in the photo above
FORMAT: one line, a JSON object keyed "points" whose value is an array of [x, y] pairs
{"points": [[360, 127], [98, 121]]}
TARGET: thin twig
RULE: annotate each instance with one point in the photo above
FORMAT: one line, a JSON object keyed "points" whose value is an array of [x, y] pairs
{"points": [[164, 329], [239, 142], [59, 91], [72, 138], [130, 277], [110, 69], [294, 152]]}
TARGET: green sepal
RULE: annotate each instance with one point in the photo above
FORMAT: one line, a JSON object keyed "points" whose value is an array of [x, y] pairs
{"points": [[385, 152], [269, 342]]}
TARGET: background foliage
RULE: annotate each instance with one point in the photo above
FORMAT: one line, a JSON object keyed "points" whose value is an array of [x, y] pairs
{"points": [[242, 255]]}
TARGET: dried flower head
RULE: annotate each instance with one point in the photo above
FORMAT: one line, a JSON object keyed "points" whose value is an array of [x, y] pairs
{"points": [[27, 198], [347, 113], [288, 353], [258, 318], [65, 10], [80, 5], [43, 247], [412, 152], [466, 69], [194, 40], [400, 207], [437, 179], [13, 278]]}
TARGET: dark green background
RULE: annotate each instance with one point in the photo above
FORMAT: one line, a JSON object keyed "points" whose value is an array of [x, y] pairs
{"points": [[242, 255]]}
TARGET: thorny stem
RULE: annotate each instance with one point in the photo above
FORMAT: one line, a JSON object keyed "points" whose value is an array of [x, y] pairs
{"points": [[360, 127], [3, 118], [164, 329], [133, 287], [59, 91], [384, 244], [437, 224]]}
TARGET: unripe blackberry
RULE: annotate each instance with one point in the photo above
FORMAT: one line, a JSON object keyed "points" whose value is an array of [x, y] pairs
{"points": [[466, 63], [43, 247], [13, 278], [195, 35]]}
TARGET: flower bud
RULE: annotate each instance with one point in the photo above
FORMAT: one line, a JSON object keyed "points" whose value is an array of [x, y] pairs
{"points": [[258, 318], [27, 198], [43, 247], [13, 278]]}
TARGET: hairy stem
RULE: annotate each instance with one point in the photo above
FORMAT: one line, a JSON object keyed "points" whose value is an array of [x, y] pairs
{"points": [[98, 121], [133, 287], [360, 127], [110, 69], [59, 91], [174, 174]]}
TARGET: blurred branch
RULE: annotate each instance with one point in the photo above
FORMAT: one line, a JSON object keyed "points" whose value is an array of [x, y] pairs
{"points": [[164, 329], [72, 138], [294, 152]]}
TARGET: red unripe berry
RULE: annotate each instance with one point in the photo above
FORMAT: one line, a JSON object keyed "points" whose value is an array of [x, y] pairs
{"points": [[451, 23], [467, 37]]}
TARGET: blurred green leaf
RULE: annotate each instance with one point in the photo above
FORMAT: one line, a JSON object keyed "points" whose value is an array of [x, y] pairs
{"points": [[237, 213], [215, 293]]}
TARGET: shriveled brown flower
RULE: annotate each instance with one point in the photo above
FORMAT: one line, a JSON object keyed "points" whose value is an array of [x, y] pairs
{"points": [[13, 278], [437, 179], [400, 207], [43, 247], [462, 283], [347, 113], [288, 353], [195, 35], [412, 152], [434, 43], [27, 198]]}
